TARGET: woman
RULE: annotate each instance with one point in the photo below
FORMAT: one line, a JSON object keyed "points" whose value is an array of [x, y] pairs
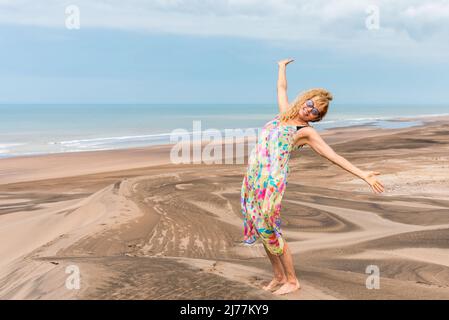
{"points": [[266, 178]]}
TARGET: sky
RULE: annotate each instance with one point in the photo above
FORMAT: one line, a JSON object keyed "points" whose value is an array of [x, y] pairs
{"points": [[222, 51]]}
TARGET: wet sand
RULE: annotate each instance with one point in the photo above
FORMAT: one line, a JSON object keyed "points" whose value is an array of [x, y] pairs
{"points": [[138, 227]]}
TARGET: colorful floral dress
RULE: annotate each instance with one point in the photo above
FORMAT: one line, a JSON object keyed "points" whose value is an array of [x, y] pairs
{"points": [[264, 185]]}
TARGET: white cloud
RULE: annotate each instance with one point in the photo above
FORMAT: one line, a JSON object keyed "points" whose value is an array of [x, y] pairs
{"points": [[410, 24]]}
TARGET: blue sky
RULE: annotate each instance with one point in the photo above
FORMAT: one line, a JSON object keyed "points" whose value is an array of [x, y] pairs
{"points": [[223, 51]]}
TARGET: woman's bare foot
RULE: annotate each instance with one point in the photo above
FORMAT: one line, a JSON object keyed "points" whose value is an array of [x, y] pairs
{"points": [[287, 288], [274, 283]]}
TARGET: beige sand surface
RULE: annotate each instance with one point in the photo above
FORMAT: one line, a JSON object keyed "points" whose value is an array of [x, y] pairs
{"points": [[138, 227]]}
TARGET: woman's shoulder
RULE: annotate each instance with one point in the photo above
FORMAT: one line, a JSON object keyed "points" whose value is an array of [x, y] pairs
{"points": [[305, 131]]}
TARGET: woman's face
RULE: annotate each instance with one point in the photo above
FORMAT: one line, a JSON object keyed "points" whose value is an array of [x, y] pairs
{"points": [[307, 113]]}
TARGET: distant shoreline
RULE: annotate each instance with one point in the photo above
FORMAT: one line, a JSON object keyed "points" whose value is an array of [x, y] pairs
{"points": [[65, 164], [154, 140]]}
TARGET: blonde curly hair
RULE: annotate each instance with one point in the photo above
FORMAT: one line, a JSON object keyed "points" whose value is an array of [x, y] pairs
{"points": [[322, 98]]}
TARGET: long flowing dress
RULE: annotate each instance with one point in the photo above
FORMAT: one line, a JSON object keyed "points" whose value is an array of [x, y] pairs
{"points": [[264, 185]]}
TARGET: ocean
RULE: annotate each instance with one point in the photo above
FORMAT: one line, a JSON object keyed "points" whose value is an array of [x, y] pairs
{"points": [[42, 129]]}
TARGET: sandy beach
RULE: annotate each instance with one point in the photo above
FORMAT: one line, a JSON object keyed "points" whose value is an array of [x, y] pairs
{"points": [[138, 227]]}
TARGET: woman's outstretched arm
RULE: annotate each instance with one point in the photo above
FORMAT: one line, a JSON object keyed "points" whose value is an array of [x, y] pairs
{"points": [[282, 85], [314, 140]]}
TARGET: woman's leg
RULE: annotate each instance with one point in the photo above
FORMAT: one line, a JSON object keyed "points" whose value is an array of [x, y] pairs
{"points": [[292, 283], [278, 271]]}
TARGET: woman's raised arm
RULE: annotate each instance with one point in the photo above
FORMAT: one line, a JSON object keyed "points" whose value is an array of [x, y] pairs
{"points": [[282, 85]]}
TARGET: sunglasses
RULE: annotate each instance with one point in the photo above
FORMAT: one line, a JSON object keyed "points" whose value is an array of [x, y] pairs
{"points": [[314, 110]]}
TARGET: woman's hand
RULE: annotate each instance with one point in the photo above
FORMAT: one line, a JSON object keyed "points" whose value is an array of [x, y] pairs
{"points": [[370, 178], [283, 63]]}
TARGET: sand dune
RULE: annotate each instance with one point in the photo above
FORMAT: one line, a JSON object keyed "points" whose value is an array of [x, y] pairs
{"points": [[174, 231]]}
